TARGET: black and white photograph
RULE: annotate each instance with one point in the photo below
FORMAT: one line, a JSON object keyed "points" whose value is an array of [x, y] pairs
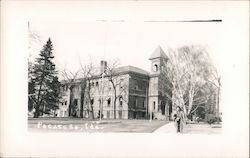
{"points": [[125, 79], [154, 90]]}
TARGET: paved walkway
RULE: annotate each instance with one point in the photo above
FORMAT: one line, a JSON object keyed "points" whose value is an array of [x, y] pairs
{"points": [[201, 128], [167, 128]]}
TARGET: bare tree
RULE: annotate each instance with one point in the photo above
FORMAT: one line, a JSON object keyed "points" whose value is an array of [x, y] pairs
{"points": [[117, 83], [70, 80], [189, 68], [100, 90], [88, 71]]}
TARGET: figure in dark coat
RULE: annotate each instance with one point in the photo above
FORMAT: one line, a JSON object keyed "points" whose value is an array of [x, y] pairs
{"points": [[179, 119]]}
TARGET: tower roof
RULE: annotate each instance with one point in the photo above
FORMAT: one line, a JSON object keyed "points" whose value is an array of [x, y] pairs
{"points": [[158, 53]]}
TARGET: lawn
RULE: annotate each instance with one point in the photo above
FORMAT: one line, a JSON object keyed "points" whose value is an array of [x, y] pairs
{"points": [[90, 126]]}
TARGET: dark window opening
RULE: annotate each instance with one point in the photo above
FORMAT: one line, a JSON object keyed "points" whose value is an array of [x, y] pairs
{"points": [[108, 102], [120, 101], [92, 101], [75, 102]]}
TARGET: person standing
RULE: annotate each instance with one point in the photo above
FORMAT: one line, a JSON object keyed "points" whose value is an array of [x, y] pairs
{"points": [[179, 119]]}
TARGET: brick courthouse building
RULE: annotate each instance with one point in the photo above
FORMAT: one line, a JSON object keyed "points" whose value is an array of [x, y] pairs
{"points": [[140, 94]]}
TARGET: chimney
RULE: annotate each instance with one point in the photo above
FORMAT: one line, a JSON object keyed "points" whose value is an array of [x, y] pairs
{"points": [[103, 66]]}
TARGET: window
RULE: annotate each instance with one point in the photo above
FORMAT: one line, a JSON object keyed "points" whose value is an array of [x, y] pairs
{"points": [[62, 103], [143, 103], [120, 114], [75, 102], [155, 67], [108, 102], [121, 83], [92, 101], [96, 84], [120, 101], [108, 114], [135, 102], [65, 103], [154, 104]]}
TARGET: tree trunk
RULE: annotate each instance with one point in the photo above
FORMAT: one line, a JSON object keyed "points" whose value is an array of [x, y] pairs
{"points": [[115, 107], [90, 102], [218, 99], [36, 114], [70, 100], [82, 99], [92, 111], [190, 99], [166, 111]]}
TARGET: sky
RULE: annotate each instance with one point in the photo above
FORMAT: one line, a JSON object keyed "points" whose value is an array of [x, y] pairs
{"points": [[124, 33]]}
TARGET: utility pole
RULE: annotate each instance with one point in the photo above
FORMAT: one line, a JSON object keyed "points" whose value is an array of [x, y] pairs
{"points": [[102, 89]]}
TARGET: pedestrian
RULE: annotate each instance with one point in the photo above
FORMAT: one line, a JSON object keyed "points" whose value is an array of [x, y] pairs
{"points": [[179, 119]]}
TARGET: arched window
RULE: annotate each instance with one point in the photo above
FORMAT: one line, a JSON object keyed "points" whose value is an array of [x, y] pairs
{"points": [[155, 67], [120, 100]]}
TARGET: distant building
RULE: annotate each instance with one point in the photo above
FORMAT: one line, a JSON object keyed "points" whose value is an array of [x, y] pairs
{"points": [[140, 94]]}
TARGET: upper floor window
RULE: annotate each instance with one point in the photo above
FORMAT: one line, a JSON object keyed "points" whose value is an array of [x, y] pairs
{"points": [[108, 101], [154, 104], [97, 84], [155, 68], [92, 101], [120, 101]]}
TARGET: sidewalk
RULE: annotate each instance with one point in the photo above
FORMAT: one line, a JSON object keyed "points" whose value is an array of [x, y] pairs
{"points": [[167, 128], [201, 128]]}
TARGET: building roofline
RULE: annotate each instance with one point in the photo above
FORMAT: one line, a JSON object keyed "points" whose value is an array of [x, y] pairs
{"points": [[119, 71]]}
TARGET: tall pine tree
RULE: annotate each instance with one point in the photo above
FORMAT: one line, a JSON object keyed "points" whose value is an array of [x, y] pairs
{"points": [[46, 84]]}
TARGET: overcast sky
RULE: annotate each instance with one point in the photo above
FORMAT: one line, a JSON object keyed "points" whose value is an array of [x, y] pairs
{"points": [[125, 35]]}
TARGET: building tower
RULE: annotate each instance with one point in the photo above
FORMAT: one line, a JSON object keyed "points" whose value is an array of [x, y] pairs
{"points": [[159, 86]]}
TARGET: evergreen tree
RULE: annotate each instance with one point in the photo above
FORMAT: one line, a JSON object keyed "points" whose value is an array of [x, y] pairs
{"points": [[52, 96], [44, 78], [31, 87]]}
